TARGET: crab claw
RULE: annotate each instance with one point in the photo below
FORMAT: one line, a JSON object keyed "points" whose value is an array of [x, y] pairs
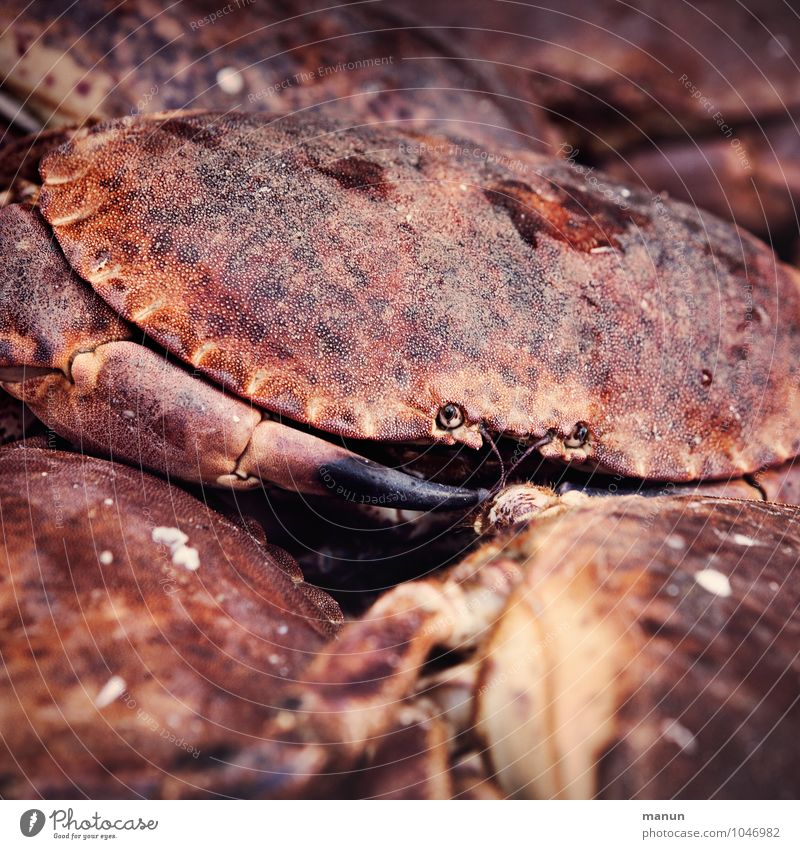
{"points": [[81, 372], [125, 401], [377, 484], [296, 460]]}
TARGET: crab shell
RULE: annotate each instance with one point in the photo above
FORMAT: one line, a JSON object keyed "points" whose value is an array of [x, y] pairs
{"points": [[141, 630], [612, 75], [621, 648], [700, 101], [139, 57], [358, 280]]}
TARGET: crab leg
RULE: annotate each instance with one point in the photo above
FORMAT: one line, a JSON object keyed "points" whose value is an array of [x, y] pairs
{"points": [[351, 689], [81, 373]]}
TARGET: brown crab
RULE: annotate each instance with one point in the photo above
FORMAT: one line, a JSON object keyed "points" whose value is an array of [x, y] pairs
{"points": [[613, 648], [389, 287], [699, 99], [62, 65], [141, 632]]}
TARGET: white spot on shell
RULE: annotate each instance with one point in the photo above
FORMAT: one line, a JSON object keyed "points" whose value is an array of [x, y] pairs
{"points": [[128, 414], [66, 220], [602, 249], [714, 582], [741, 539], [680, 735], [176, 539], [108, 502], [103, 272], [173, 537], [283, 629], [105, 557], [230, 80], [112, 690], [186, 557], [676, 542]]}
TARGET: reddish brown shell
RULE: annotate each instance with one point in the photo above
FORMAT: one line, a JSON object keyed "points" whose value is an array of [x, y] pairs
{"points": [[651, 653], [105, 59], [122, 668], [359, 279]]}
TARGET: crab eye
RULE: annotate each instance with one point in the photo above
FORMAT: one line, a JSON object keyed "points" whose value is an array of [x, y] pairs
{"points": [[578, 437], [450, 417]]}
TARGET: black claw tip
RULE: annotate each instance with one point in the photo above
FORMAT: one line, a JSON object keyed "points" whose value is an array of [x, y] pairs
{"points": [[364, 482]]}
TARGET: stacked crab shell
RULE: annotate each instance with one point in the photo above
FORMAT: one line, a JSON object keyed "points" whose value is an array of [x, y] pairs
{"points": [[347, 275]]}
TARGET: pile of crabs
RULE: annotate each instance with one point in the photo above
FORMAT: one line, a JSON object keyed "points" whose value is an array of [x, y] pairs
{"points": [[361, 439]]}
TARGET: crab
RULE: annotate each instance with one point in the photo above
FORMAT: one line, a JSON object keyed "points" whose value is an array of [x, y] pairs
{"points": [[611, 85], [141, 631], [228, 299], [612, 648], [571, 652], [699, 100], [59, 67]]}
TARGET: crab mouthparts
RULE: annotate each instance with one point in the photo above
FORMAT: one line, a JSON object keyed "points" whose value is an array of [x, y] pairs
{"points": [[361, 480]]}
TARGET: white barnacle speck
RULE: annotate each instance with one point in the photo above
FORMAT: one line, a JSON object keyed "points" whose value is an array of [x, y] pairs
{"points": [[741, 539], [680, 735], [283, 629], [774, 586], [176, 539], [106, 557], [173, 537], [108, 501], [714, 582], [187, 557], [128, 414], [111, 691], [230, 80], [676, 542], [44, 474], [602, 249]]}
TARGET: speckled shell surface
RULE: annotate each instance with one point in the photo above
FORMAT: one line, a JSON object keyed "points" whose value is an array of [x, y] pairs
{"points": [[103, 59], [697, 599], [122, 667], [359, 279]]}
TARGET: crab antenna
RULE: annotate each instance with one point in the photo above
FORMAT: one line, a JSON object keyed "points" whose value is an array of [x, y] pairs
{"points": [[493, 445], [540, 443]]}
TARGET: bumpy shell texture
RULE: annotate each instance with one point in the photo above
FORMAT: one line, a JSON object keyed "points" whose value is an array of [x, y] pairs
{"points": [[664, 656], [128, 655], [103, 59], [359, 279]]}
